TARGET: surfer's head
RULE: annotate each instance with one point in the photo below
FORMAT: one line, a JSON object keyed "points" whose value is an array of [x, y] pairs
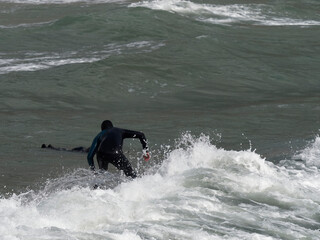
{"points": [[106, 124]]}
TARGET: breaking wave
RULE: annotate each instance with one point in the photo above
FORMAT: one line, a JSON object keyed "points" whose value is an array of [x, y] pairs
{"points": [[199, 191]]}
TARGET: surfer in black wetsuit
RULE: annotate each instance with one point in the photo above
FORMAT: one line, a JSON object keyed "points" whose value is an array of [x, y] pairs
{"points": [[76, 149], [108, 147]]}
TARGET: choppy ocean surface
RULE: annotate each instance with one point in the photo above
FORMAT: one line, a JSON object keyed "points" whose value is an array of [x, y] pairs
{"points": [[227, 93]]}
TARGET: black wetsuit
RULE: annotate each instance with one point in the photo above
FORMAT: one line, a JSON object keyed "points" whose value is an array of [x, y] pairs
{"points": [[76, 149], [108, 147]]}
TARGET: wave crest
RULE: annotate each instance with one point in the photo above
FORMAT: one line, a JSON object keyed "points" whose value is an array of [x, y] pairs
{"points": [[255, 14]]}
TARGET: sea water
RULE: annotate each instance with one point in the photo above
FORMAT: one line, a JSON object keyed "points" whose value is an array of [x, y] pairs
{"points": [[226, 92]]}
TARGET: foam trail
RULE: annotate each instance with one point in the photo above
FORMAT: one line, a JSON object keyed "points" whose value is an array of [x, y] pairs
{"points": [[33, 61], [27, 25], [199, 192]]}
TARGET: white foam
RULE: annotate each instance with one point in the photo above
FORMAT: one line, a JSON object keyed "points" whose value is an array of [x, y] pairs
{"points": [[21, 66], [177, 6], [193, 195], [202, 154], [257, 14], [34, 61], [27, 25], [311, 154]]}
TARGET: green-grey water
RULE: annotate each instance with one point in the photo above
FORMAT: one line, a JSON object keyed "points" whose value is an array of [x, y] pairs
{"points": [[223, 90]]}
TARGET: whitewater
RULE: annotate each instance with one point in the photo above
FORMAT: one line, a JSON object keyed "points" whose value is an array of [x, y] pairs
{"points": [[199, 191]]}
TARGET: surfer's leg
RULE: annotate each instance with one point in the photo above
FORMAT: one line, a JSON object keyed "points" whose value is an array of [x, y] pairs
{"points": [[103, 163], [122, 163], [78, 149]]}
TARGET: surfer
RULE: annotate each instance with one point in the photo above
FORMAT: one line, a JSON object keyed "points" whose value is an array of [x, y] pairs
{"points": [[108, 147], [76, 149]]}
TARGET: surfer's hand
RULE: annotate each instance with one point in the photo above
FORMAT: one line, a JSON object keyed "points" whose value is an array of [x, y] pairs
{"points": [[146, 156]]}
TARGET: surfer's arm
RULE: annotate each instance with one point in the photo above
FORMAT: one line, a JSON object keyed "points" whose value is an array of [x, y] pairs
{"points": [[92, 151], [135, 134]]}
